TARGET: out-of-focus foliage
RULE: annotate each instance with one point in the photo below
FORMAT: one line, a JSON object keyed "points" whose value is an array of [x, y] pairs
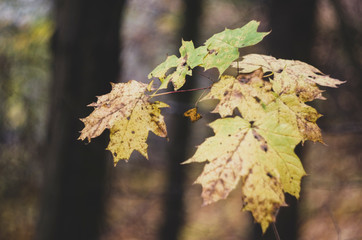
{"points": [[24, 74], [24, 77]]}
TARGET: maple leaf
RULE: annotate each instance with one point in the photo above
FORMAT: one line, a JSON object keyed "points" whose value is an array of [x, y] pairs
{"points": [[305, 116], [290, 76], [253, 96], [190, 58], [249, 93], [219, 51], [161, 70], [131, 133], [127, 112], [223, 47], [259, 147], [261, 153]]}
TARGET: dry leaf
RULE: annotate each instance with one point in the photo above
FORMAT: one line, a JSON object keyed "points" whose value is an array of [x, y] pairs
{"points": [[130, 116], [261, 154], [290, 76], [192, 114]]}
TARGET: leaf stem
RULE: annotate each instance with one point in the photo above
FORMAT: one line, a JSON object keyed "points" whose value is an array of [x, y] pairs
{"points": [[179, 91], [275, 231]]}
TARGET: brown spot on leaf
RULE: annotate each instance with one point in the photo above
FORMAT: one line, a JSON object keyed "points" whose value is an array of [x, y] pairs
{"points": [[212, 51], [242, 78], [264, 147], [257, 136]]}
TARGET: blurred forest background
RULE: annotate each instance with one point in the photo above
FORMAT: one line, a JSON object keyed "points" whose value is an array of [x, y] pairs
{"points": [[56, 56]]}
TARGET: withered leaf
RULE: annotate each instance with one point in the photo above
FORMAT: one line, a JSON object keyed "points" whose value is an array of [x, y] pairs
{"points": [[253, 153], [192, 114], [127, 112], [254, 97], [131, 133], [290, 77]]}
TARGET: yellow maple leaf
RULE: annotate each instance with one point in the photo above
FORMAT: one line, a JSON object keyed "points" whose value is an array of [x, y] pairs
{"points": [[290, 76], [126, 110], [129, 134], [249, 93], [261, 154], [253, 97], [259, 147]]}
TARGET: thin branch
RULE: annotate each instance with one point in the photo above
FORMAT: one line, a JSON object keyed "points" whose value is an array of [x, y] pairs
{"points": [[180, 91], [198, 100], [203, 75], [275, 230]]}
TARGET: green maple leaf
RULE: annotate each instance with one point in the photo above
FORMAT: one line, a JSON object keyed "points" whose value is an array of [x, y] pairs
{"points": [[161, 70], [190, 58], [127, 112], [261, 154], [223, 47], [219, 52]]}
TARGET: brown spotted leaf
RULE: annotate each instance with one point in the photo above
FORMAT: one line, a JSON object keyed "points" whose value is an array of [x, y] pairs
{"points": [[249, 93], [290, 77], [127, 112], [131, 133], [253, 97], [259, 153]]}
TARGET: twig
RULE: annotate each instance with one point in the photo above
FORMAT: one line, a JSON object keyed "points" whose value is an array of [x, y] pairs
{"points": [[179, 91], [275, 230]]}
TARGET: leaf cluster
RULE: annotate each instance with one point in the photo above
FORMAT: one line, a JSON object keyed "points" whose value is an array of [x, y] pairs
{"points": [[263, 116]]}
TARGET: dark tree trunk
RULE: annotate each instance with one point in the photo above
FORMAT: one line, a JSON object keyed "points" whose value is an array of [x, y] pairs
{"points": [[4, 93], [292, 23], [85, 49], [173, 219]]}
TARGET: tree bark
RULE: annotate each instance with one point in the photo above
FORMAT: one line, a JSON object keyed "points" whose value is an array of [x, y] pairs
{"points": [[173, 219], [85, 49]]}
